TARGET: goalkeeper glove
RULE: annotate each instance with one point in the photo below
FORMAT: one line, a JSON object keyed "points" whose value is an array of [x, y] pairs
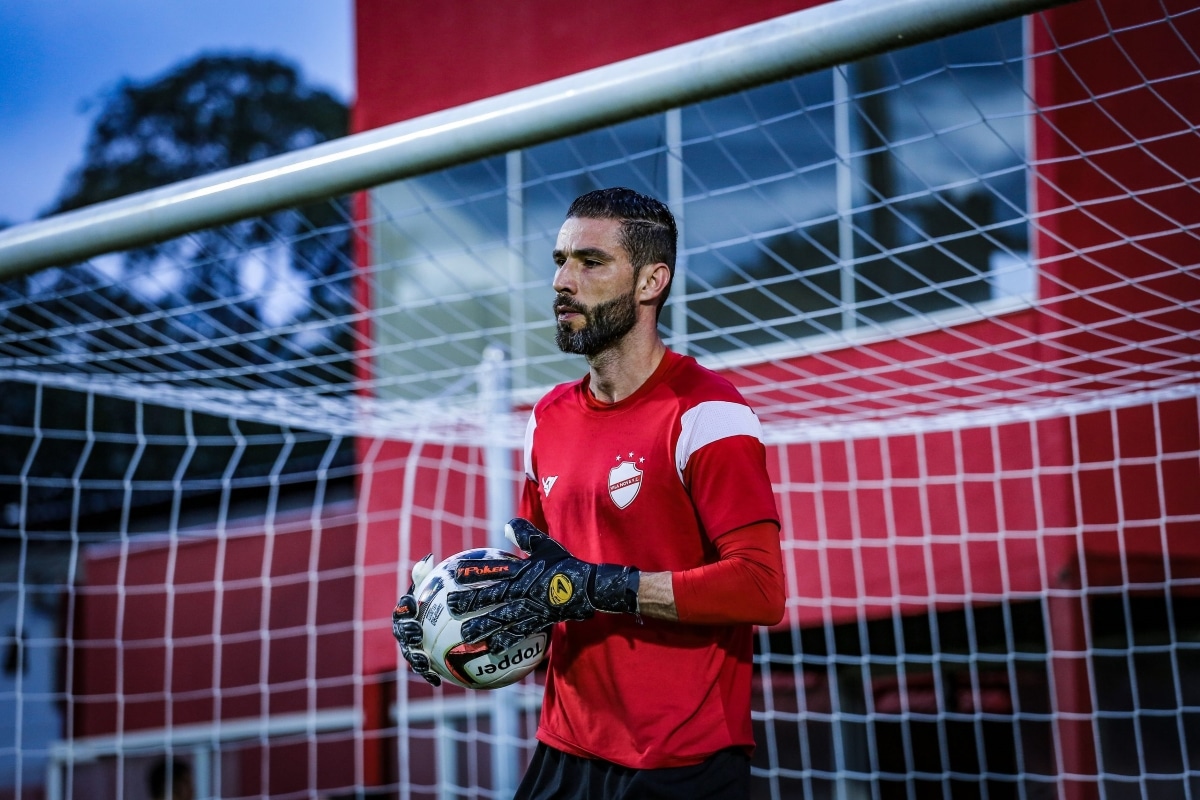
{"points": [[548, 587], [407, 629]]}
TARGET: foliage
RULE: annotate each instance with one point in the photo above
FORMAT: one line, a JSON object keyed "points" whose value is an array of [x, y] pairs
{"points": [[211, 113], [179, 311]]}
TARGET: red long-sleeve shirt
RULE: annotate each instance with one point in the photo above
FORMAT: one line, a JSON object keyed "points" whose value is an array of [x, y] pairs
{"points": [[670, 479]]}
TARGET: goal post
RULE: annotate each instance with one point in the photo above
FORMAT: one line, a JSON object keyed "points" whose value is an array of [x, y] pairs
{"points": [[805, 41], [948, 254]]}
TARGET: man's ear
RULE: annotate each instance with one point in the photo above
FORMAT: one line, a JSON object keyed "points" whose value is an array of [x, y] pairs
{"points": [[653, 281]]}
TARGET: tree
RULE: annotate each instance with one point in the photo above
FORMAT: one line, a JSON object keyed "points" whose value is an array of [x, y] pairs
{"points": [[212, 113], [208, 114], [179, 311]]}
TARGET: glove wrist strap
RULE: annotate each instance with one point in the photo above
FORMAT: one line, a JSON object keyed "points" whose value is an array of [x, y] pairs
{"points": [[615, 588]]}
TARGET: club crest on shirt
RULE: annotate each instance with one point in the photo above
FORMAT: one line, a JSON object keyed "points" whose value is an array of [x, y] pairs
{"points": [[624, 482]]}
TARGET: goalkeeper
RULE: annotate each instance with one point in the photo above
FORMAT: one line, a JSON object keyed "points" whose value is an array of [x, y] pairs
{"points": [[647, 499]]}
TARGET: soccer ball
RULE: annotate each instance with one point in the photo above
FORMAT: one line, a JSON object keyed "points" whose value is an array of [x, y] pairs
{"points": [[469, 665]]}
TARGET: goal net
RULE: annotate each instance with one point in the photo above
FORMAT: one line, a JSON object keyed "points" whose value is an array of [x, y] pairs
{"points": [[959, 283]]}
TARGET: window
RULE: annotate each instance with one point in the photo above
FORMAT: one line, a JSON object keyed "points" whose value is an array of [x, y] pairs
{"points": [[814, 210]]}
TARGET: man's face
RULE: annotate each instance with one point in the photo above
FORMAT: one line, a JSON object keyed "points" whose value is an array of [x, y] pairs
{"points": [[594, 301]]}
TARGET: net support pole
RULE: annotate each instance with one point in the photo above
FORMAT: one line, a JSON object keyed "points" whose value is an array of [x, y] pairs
{"points": [[850, 738], [673, 123], [1075, 732], [514, 171], [495, 396], [54, 780], [845, 197], [202, 758]]}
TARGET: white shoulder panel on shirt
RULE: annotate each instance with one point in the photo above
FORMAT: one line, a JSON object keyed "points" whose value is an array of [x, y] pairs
{"points": [[529, 428], [710, 422]]}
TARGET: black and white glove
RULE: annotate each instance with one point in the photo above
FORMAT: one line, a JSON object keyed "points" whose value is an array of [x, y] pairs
{"points": [[548, 587], [407, 630]]}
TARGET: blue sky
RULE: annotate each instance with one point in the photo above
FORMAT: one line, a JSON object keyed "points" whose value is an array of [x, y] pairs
{"points": [[57, 57]]}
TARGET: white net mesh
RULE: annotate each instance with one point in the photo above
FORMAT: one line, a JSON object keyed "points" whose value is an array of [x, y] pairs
{"points": [[959, 284]]}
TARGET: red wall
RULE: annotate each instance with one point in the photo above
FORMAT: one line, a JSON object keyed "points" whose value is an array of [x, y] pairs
{"points": [[1116, 213], [970, 515], [1004, 507], [1115, 182], [1097, 498], [906, 522], [199, 628], [244, 600], [430, 495], [416, 58], [419, 58]]}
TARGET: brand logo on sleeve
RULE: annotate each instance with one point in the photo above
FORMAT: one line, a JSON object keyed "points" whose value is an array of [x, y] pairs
{"points": [[625, 480], [548, 484]]}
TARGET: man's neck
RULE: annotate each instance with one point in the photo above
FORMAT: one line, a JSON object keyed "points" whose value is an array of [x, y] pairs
{"points": [[620, 370]]}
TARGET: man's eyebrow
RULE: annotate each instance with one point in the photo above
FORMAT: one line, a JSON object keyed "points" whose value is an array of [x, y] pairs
{"points": [[594, 253]]}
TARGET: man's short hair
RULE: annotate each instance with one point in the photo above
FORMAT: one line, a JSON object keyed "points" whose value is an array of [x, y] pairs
{"points": [[648, 231]]}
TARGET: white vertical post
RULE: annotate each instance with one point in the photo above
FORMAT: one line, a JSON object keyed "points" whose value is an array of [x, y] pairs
{"points": [[54, 782], [673, 122], [495, 396], [845, 194], [202, 772], [849, 738], [514, 172], [445, 732]]}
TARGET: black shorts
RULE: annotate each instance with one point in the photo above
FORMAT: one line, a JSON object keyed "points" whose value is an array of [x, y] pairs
{"points": [[554, 775]]}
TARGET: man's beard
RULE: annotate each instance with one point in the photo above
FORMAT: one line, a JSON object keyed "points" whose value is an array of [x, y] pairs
{"points": [[604, 324]]}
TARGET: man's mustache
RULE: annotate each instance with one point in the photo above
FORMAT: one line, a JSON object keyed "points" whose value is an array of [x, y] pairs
{"points": [[565, 303]]}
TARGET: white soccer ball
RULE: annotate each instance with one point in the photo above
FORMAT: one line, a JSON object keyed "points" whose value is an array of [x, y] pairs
{"points": [[469, 665]]}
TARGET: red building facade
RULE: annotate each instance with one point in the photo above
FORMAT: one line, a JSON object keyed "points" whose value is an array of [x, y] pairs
{"points": [[1037, 509]]}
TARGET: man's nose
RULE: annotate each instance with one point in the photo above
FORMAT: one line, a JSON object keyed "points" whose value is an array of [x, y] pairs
{"points": [[564, 282]]}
